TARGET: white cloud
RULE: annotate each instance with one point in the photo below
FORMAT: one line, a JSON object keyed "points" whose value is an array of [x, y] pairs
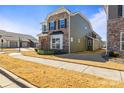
{"points": [[12, 26], [99, 23]]}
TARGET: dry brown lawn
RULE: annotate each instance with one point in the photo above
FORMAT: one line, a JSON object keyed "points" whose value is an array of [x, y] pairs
{"points": [[108, 64], [50, 77], [10, 50]]}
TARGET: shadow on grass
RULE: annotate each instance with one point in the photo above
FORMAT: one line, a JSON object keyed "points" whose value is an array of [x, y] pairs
{"points": [[89, 57]]}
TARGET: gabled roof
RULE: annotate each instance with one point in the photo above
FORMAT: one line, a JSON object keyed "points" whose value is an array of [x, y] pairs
{"points": [[15, 36], [63, 9], [60, 10], [84, 17]]}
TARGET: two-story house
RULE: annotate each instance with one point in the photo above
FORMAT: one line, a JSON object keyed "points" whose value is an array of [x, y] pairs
{"points": [[67, 31], [115, 28]]}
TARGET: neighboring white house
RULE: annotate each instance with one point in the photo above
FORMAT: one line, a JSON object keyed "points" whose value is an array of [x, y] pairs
{"points": [[14, 40]]}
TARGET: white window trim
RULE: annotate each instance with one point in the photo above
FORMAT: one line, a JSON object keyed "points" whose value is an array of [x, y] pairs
{"points": [[72, 39], [121, 41], [44, 23], [61, 40], [123, 10], [69, 37], [60, 22], [85, 27], [46, 28], [52, 22]]}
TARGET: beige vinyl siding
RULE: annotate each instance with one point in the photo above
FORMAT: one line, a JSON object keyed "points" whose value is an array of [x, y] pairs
{"points": [[78, 31], [96, 44]]}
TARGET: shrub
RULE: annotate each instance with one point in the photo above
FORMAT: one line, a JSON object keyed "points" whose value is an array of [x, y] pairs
{"points": [[57, 52], [113, 54], [45, 52], [50, 52], [36, 49]]}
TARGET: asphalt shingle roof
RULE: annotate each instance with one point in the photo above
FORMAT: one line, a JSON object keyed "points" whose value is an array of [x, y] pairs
{"points": [[15, 36]]}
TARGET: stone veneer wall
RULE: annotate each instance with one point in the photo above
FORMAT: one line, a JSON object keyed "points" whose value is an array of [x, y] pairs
{"points": [[65, 30], [114, 27], [43, 42]]}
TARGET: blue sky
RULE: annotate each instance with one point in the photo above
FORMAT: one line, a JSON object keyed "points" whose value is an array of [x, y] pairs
{"points": [[27, 19]]}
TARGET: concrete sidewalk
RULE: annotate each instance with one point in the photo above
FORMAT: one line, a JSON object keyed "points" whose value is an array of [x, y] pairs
{"points": [[6, 83], [101, 72], [9, 80]]}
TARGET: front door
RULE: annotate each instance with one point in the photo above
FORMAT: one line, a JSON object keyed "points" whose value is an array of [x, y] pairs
{"points": [[90, 44], [44, 42]]}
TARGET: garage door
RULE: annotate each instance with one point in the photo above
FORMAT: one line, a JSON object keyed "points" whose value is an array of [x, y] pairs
{"points": [[24, 44], [13, 44]]}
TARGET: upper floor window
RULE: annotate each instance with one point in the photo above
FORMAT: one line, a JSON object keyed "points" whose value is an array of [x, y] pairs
{"points": [[62, 23], [44, 28], [51, 19], [52, 25], [93, 35], [120, 10], [85, 28]]}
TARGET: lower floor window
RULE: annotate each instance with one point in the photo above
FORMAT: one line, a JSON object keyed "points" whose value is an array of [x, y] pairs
{"points": [[56, 43], [122, 44], [53, 46], [122, 41]]}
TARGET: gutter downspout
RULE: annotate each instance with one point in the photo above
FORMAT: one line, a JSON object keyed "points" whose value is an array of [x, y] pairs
{"points": [[69, 51], [107, 39]]}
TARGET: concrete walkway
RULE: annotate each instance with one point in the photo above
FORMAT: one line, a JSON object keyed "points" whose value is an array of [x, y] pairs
{"points": [[9, 80], [101, 72]]}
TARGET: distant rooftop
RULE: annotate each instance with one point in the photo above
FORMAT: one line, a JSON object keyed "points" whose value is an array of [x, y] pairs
{"points": [[15, 36]]}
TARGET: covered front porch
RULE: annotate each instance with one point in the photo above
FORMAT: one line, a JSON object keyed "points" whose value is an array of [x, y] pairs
{"points": [[93, 42]]}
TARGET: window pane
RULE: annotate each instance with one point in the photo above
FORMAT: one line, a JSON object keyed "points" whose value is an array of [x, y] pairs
{"points": [[85, 27], [44, 27], [56, 43], [53, 40], [58, 46], [53, 46], [52, 25], [57, 40], [122, 36], [122, 46], [62, 23]]}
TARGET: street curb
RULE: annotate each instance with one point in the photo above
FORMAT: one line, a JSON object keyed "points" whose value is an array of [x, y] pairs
{"points": [[16, 79]]}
